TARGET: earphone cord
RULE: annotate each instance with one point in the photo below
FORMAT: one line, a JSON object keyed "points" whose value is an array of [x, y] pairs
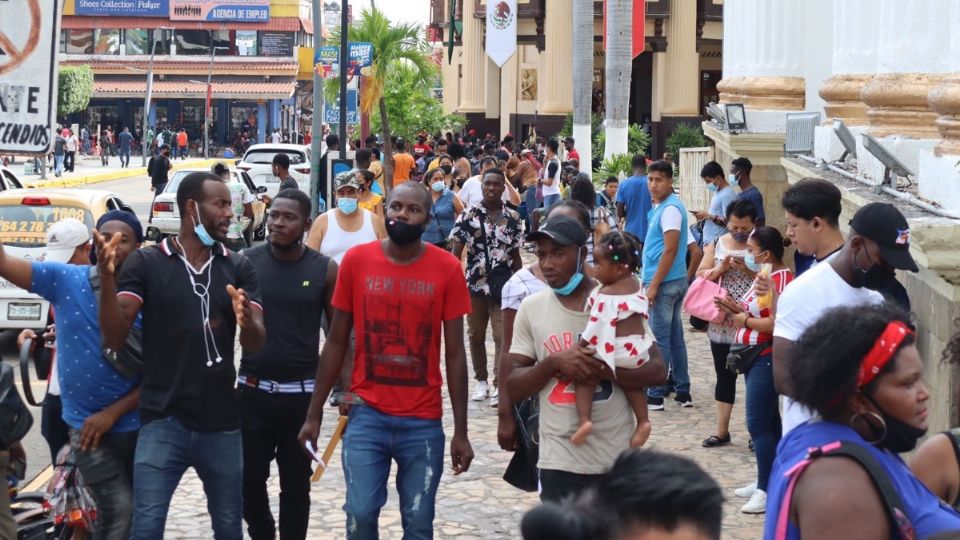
{"points": [[208, 336]]}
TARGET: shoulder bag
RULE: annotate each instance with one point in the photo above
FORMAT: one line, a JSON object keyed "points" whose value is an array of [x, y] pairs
{"points": [[699, 301], [741, 357], [15, 418]]}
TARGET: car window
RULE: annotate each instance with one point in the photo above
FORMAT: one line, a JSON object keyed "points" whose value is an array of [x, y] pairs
{"points": [[174, 182], [247, 181], [265, 156], [26, 226], [112, 204], [10, 181]]}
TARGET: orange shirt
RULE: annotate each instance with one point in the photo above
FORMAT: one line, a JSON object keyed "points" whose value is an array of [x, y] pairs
{"points": [[402, 166], [182, 138]]}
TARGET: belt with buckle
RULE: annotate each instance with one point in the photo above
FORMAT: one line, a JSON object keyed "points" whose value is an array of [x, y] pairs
{"points": [[274, 387]]}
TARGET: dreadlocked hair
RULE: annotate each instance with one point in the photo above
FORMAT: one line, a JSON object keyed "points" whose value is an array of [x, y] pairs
{"points": [[623, 248]]}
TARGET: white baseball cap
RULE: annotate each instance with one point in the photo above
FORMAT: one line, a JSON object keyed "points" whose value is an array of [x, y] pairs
{"points": [[63, 237]]}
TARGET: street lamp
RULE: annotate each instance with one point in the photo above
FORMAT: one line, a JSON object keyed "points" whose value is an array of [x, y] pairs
{"points": [[146, 101], [206, 111]]}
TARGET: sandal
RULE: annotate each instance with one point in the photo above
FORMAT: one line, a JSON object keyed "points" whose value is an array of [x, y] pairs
{"points": [[713, 441]]}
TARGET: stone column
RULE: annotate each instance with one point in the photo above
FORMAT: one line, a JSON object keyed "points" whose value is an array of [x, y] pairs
{"points": [[509, 89], [763, 54], [854, 61], [556, 82], [492, 101], [681, 84], [945, 97], [910, 60], [472, 98]]}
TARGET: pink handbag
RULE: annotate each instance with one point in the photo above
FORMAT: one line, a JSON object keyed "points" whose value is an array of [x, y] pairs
{"points": [[699, 301]]}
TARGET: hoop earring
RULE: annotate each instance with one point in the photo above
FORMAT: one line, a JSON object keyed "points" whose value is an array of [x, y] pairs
{"points": [[875, 415]]}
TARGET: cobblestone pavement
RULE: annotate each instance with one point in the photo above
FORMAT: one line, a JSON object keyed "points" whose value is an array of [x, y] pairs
{"points": [[480, 505]]}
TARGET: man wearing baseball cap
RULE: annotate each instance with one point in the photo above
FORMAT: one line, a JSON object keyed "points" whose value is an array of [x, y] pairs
{"points": [[67, 239], [860, 273], [548, 360], [346, 225]]}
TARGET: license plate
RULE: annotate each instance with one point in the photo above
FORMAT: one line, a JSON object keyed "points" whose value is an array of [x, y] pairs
{"points": [[23, 312]]}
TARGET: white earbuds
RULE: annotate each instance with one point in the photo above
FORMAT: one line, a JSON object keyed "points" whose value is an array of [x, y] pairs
{"points": [[202, 291]]}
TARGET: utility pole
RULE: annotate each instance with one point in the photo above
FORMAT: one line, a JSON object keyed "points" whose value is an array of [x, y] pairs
{"points": [[207, 110], [146, 101], [317, 121], [344, 60]]}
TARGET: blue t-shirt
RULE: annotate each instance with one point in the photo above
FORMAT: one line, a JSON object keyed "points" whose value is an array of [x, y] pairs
{"points": [[753, 195], [927, 513], [88, 384], [718, 207], [635, 196]]}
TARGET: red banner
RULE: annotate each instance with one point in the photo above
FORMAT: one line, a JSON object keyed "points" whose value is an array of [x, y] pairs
{"points": [[639, 21]]}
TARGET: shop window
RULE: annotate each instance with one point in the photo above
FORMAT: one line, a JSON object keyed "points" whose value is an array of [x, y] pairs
{"points": [[79, 42], [137, 41], [106, 41], [162, 38], [246, 43], [192, 42]]}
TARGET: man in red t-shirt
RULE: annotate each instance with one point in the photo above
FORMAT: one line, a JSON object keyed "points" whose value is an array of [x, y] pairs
{"points": [[568, 145], [421, 147], [397, 295]]}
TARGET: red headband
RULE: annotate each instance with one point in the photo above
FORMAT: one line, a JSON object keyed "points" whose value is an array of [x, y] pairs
{"points": [[882, 351]]}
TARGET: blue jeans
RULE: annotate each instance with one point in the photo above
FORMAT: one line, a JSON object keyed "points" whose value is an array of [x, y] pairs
{"points": [[763, 416], [550, 200], [165, 449], [666, 320], [371, 441], [58, 164]]}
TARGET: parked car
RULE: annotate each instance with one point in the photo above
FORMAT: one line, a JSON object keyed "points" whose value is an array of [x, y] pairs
{"points": [[258, 162], [164, 217], [8, 180], [25, 215]]}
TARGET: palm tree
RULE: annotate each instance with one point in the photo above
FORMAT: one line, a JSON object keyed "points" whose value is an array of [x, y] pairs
{"points": [[393, 45], [619, 63], [583, 79]]}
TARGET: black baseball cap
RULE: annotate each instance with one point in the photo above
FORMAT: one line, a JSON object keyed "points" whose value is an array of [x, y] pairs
{"points": [[885, 225], [563, 230]]}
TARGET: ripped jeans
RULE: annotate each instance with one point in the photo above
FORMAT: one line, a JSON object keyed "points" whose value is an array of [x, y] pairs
{"points": [[371, 441]]}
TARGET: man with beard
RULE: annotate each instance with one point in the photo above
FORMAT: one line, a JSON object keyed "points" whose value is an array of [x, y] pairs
{"points": [[274, 385], [193, 294], [398, 295]]}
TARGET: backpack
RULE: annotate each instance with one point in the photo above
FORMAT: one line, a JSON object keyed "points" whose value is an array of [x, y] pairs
{"points": [[15, 418]]}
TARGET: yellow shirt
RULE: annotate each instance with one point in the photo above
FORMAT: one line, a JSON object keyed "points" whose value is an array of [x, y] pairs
{"points": [[372, 203]]}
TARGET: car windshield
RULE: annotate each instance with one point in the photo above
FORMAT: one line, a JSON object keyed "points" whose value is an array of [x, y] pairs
{"points": [[178, 177], [26, 226], [265, 156]]}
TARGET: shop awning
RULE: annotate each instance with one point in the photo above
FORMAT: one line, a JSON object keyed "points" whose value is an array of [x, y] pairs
{"points": [[179, 67], [248, 90], [280, 24]]}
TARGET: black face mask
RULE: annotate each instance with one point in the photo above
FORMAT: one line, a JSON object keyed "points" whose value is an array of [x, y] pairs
{"points": [[875, 277], [900, 436], [447, 169], [403, 234]]}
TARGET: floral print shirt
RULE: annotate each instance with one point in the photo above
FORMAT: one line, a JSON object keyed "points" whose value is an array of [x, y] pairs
{"points": [[499, 240]]}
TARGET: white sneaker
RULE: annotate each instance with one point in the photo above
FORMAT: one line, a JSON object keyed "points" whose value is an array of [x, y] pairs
{"points": [[482, 391], [757, 503], [746, 491], [494, 401]]}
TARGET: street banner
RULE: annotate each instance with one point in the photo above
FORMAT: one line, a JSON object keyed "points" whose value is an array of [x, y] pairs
{"points": [[123, 8], [501, 30], [219, 10], [28, 75], [331, 111], [638, 27], [327, 60]]}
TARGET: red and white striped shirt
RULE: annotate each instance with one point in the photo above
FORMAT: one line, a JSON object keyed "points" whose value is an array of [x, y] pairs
{"points": [[749, 336]]}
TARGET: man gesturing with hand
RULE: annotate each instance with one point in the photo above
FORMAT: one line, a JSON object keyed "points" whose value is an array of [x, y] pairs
{"points": [[193, 294]]}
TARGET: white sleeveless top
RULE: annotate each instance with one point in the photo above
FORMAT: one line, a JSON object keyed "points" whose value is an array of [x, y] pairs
{"points": [[337, 241]]}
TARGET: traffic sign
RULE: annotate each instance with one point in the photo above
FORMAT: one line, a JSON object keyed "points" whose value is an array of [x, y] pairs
{"points": [[28, 75]]}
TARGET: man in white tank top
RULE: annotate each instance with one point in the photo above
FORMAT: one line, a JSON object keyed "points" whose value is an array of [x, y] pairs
{"points": [[346, 225]]}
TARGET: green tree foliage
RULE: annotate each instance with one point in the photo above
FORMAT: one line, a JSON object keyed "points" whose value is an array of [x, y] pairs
{"points": [[74, 90], [637, 142], [685, 136], [618, 165], [412, 108]]}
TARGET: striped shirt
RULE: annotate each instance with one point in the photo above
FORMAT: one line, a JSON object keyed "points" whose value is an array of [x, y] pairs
{"points": [[749, 336]]}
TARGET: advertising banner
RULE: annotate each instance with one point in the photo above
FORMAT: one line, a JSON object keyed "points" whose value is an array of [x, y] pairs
{"points": [[331, 111], [219, 10], [327, 60], [123, 8]]}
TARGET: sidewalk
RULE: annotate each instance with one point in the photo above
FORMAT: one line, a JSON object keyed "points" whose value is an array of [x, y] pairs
{"points": [[89, 170], [479, 505]]}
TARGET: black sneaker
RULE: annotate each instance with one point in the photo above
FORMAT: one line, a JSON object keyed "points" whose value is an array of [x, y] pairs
{"points": [[684, 399], [654, 403]]}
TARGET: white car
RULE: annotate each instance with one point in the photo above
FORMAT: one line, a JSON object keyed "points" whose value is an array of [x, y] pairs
{"points": [[258, 163], [164, 217], [25, 216]]}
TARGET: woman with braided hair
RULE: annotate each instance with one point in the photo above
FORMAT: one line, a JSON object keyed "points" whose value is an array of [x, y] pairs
{"points": [[617, 328]]}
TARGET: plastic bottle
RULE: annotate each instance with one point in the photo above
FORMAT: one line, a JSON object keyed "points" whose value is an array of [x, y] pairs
{"points": [[765, 301]]}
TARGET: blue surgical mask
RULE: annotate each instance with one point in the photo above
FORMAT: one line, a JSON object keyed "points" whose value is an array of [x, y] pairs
{"points": [[712, 187], [732, 178], [574, 282], [202, 233], [347, 206], [751, 262], [437, 186]]}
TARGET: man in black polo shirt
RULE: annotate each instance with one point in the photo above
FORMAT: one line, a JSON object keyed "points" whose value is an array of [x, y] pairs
{"points": [[193, 294], [276, 383]]}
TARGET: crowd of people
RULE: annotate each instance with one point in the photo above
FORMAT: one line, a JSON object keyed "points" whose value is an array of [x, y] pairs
{"points": [[589, 343]]}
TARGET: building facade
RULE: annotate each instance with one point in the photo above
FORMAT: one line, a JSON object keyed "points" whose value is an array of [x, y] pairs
{"points": [[672, 80], [259, 60], [885, 68]]}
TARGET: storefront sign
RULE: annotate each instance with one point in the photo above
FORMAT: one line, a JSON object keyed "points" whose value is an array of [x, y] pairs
{"points": [[219, 10], [28, 82], [327, 60], [123, 8], [331, 111], [276, 43]]}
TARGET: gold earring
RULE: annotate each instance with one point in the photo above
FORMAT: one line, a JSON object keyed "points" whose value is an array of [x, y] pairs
{"points": [[875, 415]]}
